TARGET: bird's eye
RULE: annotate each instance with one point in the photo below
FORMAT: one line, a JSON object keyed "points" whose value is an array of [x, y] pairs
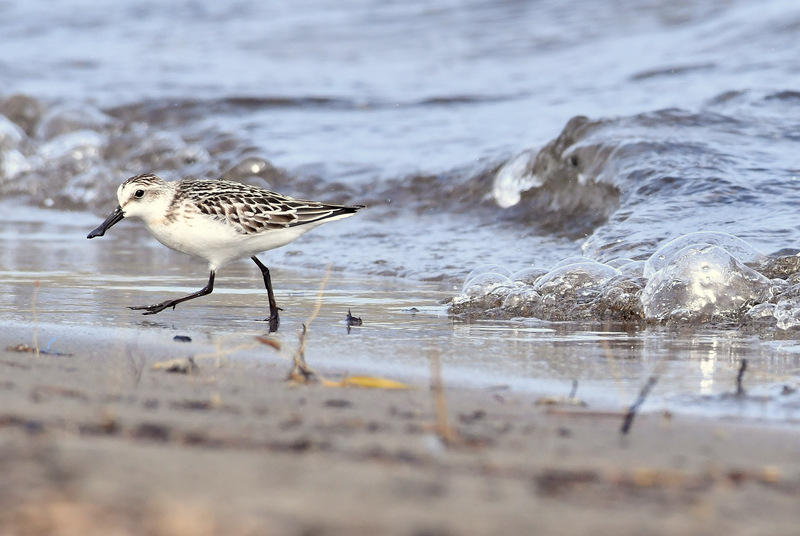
{"points": [[138, 194]]}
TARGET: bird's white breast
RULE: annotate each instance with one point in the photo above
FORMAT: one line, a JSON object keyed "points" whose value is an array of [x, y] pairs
{"points": [[215, 241]]}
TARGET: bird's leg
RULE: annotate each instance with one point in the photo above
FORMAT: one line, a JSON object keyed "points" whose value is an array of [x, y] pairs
{"points": [[273, 306], [157, 308]]}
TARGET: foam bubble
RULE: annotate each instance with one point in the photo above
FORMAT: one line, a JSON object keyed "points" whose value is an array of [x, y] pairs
{"points": [[787, 313], [618, 262], [486, 269], [761, 311], [484, 291], [571, 260], [481, 285], [702, 282], [737, 247], [571, 279], [621, 299], [528, 276], [521, 302], [632, 269]]}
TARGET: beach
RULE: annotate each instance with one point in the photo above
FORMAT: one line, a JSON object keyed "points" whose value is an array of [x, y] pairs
{"points": [[617, 230], [94, 443], [185, 423]]}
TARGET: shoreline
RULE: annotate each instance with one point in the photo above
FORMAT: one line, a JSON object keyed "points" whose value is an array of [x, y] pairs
{"points": [[96, 444]]}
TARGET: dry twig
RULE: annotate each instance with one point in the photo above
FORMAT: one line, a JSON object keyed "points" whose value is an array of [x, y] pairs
{"points": [[628, 421], [443, 429], [301, 372], [739, 377], [35, 319]]}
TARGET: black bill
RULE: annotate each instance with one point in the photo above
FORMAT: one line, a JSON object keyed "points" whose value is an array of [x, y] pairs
{"points": [[112, 219]]}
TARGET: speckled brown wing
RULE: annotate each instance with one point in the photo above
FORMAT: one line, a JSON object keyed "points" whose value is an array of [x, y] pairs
{"points": [[251, 210]]}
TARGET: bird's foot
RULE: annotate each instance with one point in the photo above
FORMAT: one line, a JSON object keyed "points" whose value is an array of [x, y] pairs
{"points": [[156, 308]]}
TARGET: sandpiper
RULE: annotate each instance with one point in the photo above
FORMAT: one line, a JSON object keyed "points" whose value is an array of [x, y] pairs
{"points": [[219, 221]]}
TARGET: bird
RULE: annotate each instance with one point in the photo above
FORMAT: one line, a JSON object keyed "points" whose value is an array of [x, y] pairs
{"points": [[218, 220]]}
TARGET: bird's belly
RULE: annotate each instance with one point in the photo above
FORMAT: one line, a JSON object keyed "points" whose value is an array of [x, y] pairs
{"points": [[219, 243]]}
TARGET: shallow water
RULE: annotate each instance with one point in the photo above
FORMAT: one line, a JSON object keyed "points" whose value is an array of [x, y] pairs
{"points": [[85, 287], [515, 133]]}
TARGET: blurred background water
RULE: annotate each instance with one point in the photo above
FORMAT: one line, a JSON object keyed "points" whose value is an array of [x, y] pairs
{"points": [[517, 133]]}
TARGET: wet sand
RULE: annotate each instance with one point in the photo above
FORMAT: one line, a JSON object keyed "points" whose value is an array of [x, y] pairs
{"points": [[94, 440], [100, 442]]}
